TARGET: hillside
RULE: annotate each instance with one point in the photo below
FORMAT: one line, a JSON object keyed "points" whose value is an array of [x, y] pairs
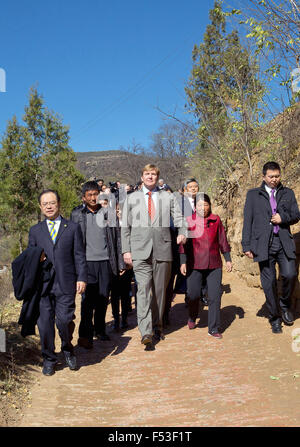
{"points": [[126, 167]]}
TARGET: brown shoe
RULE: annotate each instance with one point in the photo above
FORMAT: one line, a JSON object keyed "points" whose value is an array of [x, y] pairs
{"points": [[85, 343], [146, 339]]}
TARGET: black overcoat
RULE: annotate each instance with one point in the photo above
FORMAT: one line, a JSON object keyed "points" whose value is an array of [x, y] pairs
{"points": [[257, 228], [30, 279]]}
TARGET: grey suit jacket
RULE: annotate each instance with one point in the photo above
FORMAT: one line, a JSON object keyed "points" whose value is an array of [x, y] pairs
{"points": [[140, 236]]}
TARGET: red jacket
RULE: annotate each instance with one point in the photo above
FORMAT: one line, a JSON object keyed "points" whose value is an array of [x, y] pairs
{"points": [[206, 239]]}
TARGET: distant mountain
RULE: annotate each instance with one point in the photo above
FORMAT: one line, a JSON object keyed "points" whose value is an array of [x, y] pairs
{"points": [[126, 166]]}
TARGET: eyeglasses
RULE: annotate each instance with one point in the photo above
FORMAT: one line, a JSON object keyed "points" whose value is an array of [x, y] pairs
{"points": [[44, 204]]}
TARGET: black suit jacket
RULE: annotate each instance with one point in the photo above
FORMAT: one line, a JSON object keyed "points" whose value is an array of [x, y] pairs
{"points": [[67, 255], [186, 207], [257, 228]]}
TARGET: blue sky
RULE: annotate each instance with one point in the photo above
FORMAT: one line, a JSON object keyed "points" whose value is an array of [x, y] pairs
{"points": [[102, 65]]}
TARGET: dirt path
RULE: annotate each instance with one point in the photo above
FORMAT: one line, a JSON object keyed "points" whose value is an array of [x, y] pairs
{"points": [[249, 378]]}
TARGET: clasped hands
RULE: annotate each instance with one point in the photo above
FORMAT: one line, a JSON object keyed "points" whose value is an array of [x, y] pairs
{"points": [[275, 220]]}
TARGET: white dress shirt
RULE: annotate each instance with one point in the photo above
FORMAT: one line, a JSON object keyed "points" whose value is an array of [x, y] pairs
{"points": [[153, 195], [269, 190], [56, 221]]}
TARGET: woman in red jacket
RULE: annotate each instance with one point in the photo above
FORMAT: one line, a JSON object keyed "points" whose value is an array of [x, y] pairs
{"points": [[200, 259]]}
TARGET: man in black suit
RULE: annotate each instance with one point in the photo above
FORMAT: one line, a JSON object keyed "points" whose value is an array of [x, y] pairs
{"points": [[188, 198], [61, 241], [269, 211]]}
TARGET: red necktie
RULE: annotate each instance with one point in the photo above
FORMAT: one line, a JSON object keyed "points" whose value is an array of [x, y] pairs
{"points": [[151, 208]]}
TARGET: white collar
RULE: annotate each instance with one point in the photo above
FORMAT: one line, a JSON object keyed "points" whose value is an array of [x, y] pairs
{"points": [[269, 190], [58, 219], [146, 190]]}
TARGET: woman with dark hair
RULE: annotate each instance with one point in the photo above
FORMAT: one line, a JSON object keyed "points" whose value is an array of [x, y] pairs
{"points": [[200, 260]]}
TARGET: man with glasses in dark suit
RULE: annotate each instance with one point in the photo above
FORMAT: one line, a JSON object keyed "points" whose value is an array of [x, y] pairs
{"points": [[61, 241]]}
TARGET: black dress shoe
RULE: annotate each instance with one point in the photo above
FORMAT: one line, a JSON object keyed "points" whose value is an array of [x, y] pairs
{"points": [[70, 360], [48, 370], [149, 347], [146, 340], [276, 328], [287, 317], [204, 300]]}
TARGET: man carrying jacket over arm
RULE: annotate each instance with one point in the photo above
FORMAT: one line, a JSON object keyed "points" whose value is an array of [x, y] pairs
{"points": [[61, 241]]}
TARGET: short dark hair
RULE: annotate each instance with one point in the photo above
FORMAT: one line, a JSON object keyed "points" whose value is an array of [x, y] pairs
{"points": [[204, 197], [89, 186], [272, 166], [45, 191], [190, 180]]}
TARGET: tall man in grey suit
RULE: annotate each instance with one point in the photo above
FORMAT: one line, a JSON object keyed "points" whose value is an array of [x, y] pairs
{"points": [[147, 246]]}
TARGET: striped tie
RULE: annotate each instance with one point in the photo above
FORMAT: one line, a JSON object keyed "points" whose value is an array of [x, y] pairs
{"points": [[53, 232]]}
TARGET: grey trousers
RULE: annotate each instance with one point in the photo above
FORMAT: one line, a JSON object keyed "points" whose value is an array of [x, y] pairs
{"points": [[152, 278]]}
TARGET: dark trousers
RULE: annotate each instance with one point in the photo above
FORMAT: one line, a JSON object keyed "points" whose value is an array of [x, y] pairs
{"points": [[287, 268], [120, 291], [57, 309], [95, 299], [213, 278]]}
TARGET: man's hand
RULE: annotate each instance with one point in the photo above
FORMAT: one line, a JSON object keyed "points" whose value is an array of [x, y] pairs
{"points": [[181, 239], [183, 269], [80, 287], [127, 258], [43, 256], [121, 272], [249, 254], [276, 219], [229, 266]]}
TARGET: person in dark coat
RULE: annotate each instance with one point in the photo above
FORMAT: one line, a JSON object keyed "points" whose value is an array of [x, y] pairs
{"points": [[62, 243], [31, 279], [102, 245], [268, 213]]}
